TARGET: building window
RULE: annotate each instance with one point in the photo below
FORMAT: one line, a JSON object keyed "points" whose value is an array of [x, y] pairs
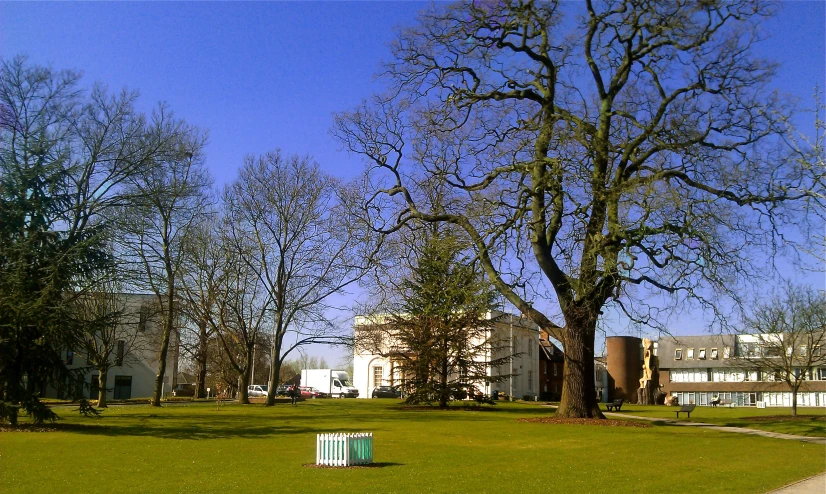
{"points": [[93, 387], [555, 371], [714, 354], [815, 351], [142, 318], [530, 348], [702, 355], [123, 387], [690, 354], [678, 354], [530, 381], [377, 373], [727, 352], [119, 354]]}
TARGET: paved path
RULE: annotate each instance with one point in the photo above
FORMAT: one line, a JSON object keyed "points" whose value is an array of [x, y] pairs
{"points": [[812, 485], [723, 428]]}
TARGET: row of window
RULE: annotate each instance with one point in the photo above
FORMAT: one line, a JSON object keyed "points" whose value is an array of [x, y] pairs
{"points": [[750, 399], [740, 375], [701, 353]]}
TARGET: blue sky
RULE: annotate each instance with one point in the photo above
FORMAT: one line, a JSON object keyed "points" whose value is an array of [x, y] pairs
{"points": [[259, 76]]}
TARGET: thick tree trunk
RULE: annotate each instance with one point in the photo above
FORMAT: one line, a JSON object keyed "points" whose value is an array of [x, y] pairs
{"points": [[579, 399], [243, 393], [794, 402], [102, 378], [275, 375]]}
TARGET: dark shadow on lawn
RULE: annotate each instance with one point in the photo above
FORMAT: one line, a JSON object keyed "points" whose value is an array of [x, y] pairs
{"points": [[473, 408], [194, 431]]}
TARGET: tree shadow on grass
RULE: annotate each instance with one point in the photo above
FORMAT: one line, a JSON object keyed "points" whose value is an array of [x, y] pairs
{"points": [[196, 431]]}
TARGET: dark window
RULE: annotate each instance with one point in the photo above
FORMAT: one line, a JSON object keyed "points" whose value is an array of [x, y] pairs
{"points": [[123, 387], [93, 388], [144, 316], [119, 355]]}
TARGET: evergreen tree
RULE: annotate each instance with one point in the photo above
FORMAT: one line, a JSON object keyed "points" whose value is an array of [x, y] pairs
{"points": [[440, 335]]}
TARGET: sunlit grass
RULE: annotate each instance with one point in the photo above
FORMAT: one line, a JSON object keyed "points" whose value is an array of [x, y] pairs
{"points": [[197, 448]]}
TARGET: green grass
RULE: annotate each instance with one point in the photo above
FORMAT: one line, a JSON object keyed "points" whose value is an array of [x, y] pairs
{"points": [[195, 448], [811, 421]]}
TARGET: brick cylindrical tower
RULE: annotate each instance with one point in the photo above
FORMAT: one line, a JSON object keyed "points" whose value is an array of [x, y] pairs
{"points": [[624, 363]]}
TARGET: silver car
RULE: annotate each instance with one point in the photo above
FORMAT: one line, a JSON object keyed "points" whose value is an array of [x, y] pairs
{"points": [[255, 390]]}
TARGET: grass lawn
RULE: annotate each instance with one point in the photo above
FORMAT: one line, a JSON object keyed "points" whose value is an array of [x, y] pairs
{"points": [[810, 421], [195, 448]]}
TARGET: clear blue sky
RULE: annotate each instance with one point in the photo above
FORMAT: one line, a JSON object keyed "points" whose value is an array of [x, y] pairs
{"points": [[264, 75]]}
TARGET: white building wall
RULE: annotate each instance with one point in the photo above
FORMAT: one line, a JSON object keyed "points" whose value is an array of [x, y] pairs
{"points": [[141, 364], [524, 367]]}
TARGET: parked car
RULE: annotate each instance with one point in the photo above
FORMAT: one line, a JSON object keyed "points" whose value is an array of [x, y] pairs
{"points": [[308, 392], [256, 390], [283, 390], [386, 392]]}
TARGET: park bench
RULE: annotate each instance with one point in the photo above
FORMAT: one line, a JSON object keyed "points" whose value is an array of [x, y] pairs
{"points": [[686, 409], [617, 404]]}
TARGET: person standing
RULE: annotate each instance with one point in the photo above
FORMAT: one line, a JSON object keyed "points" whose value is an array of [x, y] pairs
{"points": [[296, 393]]}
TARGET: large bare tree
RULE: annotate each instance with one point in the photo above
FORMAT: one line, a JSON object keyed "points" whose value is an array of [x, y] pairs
{"points": [[200, 286], [615, 153], [303, 247], [167, 201]]}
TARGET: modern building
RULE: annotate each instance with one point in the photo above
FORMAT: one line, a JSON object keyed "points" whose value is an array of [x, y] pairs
{"points": [[371, 369], [135, 355], [699, 369]]}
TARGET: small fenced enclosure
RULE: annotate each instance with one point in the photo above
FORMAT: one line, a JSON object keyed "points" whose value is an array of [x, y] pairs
{"points": [[344, 450]]}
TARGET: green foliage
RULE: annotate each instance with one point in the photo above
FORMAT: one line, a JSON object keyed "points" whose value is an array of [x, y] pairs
{"points": [[41, 257], [443, 324]]}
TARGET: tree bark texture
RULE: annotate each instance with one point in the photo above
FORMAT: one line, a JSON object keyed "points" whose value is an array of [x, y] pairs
{"points": [[579, 397], [103, 374]]}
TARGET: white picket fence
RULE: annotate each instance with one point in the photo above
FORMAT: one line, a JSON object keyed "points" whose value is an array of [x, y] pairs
{"points": [[344, 450]]}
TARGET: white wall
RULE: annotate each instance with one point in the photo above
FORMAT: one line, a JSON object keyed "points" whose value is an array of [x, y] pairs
{"points": [[527, 344]]}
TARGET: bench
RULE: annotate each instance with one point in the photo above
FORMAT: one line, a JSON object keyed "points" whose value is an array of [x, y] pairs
{"points": [[685, 409], [617, 404]]}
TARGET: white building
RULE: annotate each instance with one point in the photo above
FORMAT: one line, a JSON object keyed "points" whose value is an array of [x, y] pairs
{"points": [[136, 351], [371, 369]]}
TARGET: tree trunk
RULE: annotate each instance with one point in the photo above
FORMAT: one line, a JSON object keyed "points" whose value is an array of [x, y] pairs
{"points": [[203, 344], [443, 391], [167, 331], [102, 378], [579, 398], [275, 375], [243, 393], [794, 402]]}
